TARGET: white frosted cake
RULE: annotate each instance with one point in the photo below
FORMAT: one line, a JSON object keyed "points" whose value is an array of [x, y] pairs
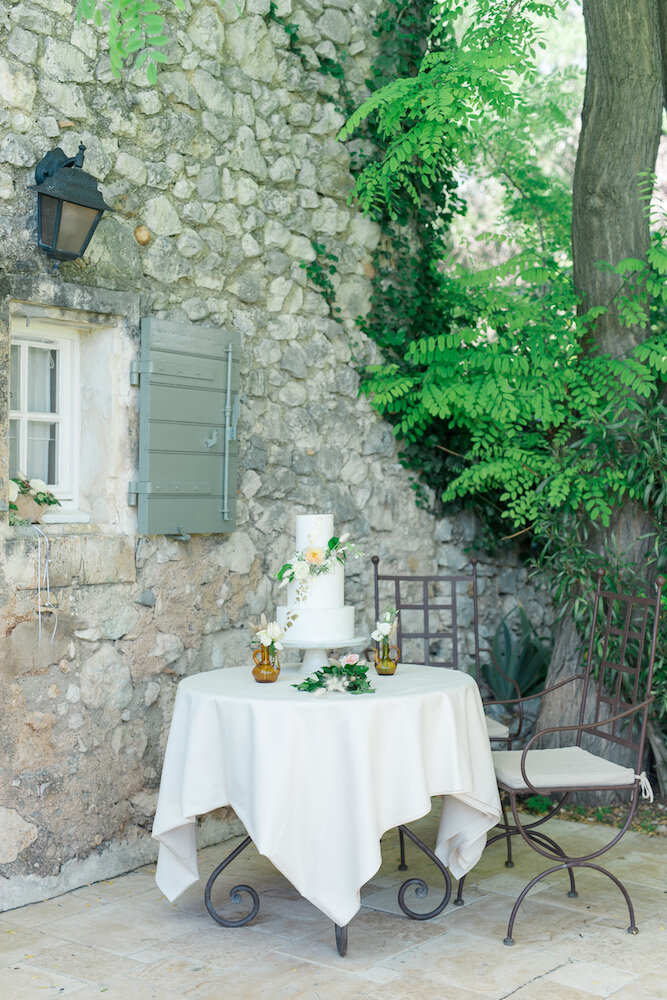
{"points": [[315, 609]]}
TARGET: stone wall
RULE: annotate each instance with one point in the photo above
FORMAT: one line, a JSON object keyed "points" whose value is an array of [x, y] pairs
{"points": [[232, 164]]}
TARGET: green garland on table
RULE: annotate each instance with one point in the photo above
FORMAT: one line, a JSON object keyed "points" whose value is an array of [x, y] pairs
{"points": [[348, 679]]}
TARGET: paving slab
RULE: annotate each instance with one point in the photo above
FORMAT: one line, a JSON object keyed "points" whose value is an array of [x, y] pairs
{"points": [[120, 938]]}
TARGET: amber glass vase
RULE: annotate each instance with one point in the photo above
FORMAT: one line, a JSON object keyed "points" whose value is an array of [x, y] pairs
{"points": [[386, 658], [266, 667]]}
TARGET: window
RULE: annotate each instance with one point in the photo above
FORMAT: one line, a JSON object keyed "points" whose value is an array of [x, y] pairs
{"points": [[44, 408]]}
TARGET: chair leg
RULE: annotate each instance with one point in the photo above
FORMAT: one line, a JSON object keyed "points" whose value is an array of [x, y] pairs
{"points": [[401, 841], [542, 838], [459, 901], [632, 929], [547, 847], [506, 825], [509, 940]]}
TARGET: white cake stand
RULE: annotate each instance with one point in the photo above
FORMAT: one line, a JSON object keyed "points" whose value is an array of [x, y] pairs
{"points": [[315, 656]]}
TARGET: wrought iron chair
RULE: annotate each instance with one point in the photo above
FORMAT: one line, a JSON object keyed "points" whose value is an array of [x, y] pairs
{"points": [[435, 603], [620, 716], [430, 631]]}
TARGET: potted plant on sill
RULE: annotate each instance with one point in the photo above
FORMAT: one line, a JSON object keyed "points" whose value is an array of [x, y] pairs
{"points": [[27, 500]]}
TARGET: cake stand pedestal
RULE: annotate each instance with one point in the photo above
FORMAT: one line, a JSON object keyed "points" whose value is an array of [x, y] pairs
{"points": [[315, 656]]}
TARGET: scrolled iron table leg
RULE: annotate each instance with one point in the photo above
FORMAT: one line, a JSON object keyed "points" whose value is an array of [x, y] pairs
{"points": [[420, 887], [341, 940], [235, 892]]}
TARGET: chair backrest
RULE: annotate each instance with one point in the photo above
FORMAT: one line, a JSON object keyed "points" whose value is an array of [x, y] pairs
{"points": [[621, 623], [434, 611]]}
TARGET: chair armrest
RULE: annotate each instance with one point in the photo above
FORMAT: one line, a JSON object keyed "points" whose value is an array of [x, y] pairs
{"points": [[584, 727], [538, 694], [502, 673]]}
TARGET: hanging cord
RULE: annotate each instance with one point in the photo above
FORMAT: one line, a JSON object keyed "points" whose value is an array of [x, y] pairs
{"points": [[645, 786], [43, 581]]}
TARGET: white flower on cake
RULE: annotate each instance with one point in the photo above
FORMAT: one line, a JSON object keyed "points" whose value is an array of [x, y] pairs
{"points": [[301, 570], [315, 557]]}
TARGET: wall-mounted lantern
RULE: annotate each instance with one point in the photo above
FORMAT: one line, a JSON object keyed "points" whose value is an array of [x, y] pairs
{"points": [[69, 204]]}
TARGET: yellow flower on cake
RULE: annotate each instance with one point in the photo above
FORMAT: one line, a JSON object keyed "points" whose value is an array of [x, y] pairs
{"points": [[314, 556]]}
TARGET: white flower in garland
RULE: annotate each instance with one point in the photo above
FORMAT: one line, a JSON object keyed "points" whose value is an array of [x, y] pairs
{"points": [[336, 684]]}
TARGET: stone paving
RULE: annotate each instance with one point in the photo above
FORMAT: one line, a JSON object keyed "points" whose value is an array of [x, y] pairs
{"points": [[121, 939]]}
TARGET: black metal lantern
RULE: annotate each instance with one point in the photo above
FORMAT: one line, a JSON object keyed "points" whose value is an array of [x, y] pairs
{"points": [[69, 204]]}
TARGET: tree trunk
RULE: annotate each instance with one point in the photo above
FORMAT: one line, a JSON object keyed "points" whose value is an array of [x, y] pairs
{"points": [[621, 123]]}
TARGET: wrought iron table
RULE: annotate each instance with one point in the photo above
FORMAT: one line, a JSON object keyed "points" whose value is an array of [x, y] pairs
{"points": [[316, 780]]}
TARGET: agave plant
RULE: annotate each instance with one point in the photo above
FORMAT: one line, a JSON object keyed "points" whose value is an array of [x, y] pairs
{"points": [[517, 661]]}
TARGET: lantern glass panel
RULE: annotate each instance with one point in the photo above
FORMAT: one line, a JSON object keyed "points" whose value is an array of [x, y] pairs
{"points": [[76, 222], [48, 213]]}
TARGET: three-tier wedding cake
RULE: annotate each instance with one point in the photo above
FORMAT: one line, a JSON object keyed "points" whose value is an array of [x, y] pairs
{"points": [[315, 610]]}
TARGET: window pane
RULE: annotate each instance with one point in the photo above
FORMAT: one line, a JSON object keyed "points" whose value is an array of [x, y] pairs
{"points": [[41, 458], [15, 378], [13, 448], [42, 380]]}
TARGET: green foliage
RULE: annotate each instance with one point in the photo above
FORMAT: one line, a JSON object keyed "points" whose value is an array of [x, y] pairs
{"points": [[320, 272], [523, 659], [538, 804], [351, 679], [437, 118], [490, 377], [136, 30]]}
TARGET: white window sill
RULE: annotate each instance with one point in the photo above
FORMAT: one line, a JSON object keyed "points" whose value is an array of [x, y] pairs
{"points": [[66, 517]]}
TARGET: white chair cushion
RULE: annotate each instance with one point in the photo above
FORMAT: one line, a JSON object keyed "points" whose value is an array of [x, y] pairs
{"points": [[562, 767], [496, 730]]}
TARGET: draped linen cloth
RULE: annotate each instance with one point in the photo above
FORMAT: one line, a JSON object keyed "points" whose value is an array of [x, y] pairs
{"points": [[316, 780]]}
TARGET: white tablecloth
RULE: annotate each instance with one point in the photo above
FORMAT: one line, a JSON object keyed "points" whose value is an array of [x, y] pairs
{"points": [[316, 780]]}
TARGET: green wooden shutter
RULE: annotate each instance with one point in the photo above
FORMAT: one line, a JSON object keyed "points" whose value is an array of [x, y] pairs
{"points": [[188, 379]]}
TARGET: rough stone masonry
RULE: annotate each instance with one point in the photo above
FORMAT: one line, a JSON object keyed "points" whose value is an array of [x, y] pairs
{"points": [[232, 164]]}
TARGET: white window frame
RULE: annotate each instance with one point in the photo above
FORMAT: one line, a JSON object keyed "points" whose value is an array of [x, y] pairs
{"points": [[66, 342]]}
